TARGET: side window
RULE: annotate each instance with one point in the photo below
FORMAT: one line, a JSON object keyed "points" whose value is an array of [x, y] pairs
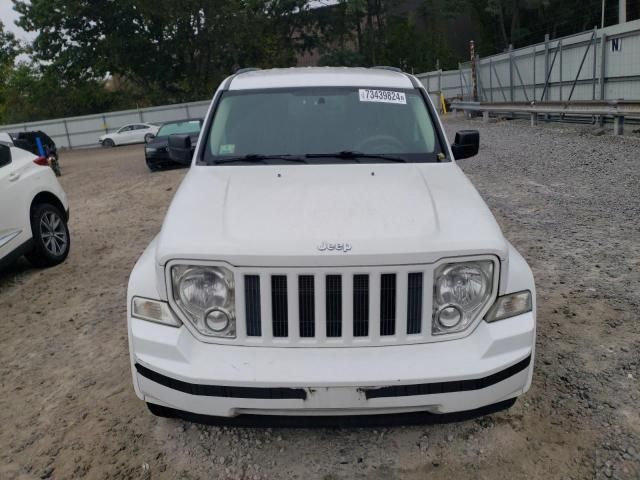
{"points": [[125, 129], [5, 155], [142, 127]]}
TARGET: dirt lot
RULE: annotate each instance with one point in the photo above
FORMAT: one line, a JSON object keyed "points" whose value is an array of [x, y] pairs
{"points": [[568, 200]]}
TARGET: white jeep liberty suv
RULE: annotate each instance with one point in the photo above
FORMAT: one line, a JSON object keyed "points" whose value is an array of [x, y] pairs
{"points": [[325, 255]]}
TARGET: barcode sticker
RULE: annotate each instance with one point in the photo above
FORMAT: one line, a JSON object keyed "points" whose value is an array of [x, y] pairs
{"points": [[382, 96]]}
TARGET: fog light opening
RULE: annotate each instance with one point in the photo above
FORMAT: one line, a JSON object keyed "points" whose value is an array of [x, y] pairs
{"points": [[217, 320], [449, 316]]}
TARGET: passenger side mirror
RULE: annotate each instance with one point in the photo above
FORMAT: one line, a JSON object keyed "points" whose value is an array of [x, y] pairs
{"points": [[466, 145], [180, 149], [148, 137]]}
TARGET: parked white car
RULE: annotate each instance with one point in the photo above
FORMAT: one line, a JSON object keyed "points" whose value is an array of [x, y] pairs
{"points": [[132, 133], [6, 139], [33, 210], [325, 255]]}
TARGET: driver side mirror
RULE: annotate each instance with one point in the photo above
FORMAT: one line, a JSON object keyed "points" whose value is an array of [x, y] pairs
{"points": [[466, 145], [148, 137], [180, 149]]}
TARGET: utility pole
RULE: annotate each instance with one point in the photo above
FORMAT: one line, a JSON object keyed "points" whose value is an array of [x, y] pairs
{"points": [[603, 7], [622, 11], [474, 73]]}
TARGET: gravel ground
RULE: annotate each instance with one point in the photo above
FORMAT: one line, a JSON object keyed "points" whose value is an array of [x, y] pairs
{"points": [[569, 201]]}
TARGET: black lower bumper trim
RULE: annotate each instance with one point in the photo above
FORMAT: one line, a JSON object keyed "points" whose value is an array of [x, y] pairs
{"points": [[447, 387], [220, 390]]}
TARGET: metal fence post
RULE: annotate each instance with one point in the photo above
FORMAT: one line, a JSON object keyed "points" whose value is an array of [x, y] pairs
{"points": [[511, 93], [460, 73], [491, 79], [482, 95], [104, 124], [546, 66], [66, 131], [140, 115], [560, 67], [595, 56], [535, 85], [603, 64], [186, 107]]}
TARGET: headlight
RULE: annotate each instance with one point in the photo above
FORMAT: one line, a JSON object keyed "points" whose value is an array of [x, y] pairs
{"points": [[206, 296], [461, 292], [509, 306]]}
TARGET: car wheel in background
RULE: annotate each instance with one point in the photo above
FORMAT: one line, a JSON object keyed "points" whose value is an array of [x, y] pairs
{"points": [[108, 143], [51, 240]]}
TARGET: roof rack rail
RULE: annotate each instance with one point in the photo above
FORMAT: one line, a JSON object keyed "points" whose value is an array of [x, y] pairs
{"points": [[386, 67], [245, 70]]}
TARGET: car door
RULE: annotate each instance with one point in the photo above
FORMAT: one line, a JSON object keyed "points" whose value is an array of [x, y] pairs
{"points": [[125, 135], [140, 132], [15, 228]]}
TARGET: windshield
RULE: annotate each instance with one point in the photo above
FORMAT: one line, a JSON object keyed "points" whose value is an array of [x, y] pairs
{"points": [[185, 128], [311, 121]]}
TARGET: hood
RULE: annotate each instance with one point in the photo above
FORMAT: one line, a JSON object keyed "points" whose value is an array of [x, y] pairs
{"points": [[327, 215]]}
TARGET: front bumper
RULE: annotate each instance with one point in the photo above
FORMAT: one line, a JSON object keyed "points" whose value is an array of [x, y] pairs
{"points": [[171, 368]]}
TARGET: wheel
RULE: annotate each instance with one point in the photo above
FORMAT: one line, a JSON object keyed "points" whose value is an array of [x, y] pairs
{"points": [[51, 240], [160, 411], [148, 137], [108, 143]]}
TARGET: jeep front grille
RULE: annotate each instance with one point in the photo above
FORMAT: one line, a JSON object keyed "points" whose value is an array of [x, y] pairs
{"points": [[328, 308]]}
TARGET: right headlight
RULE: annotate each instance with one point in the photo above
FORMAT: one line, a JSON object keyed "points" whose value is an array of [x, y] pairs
{"points": [[461, 291], [206, 296]]}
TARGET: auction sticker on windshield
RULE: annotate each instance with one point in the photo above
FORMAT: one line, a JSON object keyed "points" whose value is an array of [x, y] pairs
{"points": [[382, 96]]}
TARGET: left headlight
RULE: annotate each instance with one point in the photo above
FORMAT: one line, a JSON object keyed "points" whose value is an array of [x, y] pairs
{"points": [[206, 296], [461, 291]]}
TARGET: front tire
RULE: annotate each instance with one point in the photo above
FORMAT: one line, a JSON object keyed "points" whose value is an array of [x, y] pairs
{"points": [[51, 240]]}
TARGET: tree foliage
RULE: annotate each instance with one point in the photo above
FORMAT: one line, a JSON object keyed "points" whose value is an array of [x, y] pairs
{"points": [[96, 55]]}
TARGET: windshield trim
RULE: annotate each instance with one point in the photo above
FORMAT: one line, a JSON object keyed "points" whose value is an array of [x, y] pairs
{"points": [[441, 149]]}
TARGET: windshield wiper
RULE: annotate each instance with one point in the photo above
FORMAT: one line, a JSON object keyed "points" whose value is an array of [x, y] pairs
{"points": [[351, 155], [258, 158]]}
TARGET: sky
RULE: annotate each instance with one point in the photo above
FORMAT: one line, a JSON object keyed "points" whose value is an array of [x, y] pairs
{"points": [[8, 16]]}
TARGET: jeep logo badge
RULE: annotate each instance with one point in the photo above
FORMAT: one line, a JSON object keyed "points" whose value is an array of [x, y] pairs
{"points": [[338, 247]]}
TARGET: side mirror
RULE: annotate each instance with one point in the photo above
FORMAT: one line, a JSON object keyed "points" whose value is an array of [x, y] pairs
{"points": [[466, 145], [180, 150], [148, 137]]}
